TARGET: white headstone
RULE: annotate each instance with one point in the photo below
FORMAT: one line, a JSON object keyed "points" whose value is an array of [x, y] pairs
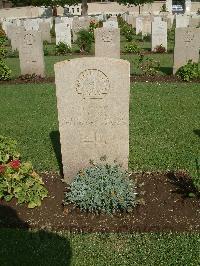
{"points": [[93, 112], [63, 33], [139, 24], [159, 34], [182, 21], [44, 27], [31, 53], [187, 45], [15, 37], [107, 42], [110, 24]]}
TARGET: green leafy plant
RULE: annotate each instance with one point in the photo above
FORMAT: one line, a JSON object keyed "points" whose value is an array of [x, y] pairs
{"points": [[52, 30], [102, 188], [3, 51], [128, 32], [189, 71], [132, 48], [18, 179], [2, 32], [8, 150], [159, 49], [195, 180], [62, 48], [46, 51], [163, 8], [147, 38], [46, 42], [5, 72], [121, 22], [84, 40], [92, 27], [171, 34], [148, 65], [196, 177], [13, 54]]}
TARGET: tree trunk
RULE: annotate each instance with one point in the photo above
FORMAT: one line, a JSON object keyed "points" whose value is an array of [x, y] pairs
{"points": [[84, 8], [54, 11]]}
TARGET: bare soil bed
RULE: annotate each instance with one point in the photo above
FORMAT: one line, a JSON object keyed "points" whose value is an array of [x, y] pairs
{"points": [[133, 78], [166, 208]]}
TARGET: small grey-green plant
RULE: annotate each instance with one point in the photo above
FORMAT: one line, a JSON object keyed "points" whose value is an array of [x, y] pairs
{"points": [[102, 188]]}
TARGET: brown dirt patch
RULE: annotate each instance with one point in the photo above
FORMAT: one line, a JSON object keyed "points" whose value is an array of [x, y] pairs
{"points": [[133, 78], [166, 208], [36, 79]]}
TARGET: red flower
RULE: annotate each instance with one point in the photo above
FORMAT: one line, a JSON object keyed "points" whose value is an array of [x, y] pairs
{"points": [[15, 164], [2, 168]]}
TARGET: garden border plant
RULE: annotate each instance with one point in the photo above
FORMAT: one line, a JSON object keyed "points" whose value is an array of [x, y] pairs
{"points": [[102, 188], [18, 180], [5, 72], [189, 72]]}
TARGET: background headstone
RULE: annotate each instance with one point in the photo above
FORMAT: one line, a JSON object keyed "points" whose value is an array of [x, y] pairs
{"points": [[31, 53], [44, 27], [182, 21], [139, 24], [188, 5], [146, 28], [169, 6], [79, 24], [187, 45], [15, 37], [159, 34], [93, 112], [63, 33], [107, 42], [110, 24]]}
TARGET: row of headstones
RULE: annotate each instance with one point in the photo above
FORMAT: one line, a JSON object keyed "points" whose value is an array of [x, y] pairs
{"points": [[67, 27], [30, 44], [107, 44], [187, 39], [27, 23], [93, 101], [187, 43], [143, 23]]}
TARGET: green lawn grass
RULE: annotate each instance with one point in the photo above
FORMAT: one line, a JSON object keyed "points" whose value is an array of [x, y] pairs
{"points": [[164, 124], [166, 63], [164, 134], [47, 248]]}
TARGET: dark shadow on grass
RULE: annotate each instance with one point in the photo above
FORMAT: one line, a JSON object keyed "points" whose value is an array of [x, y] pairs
{"points": [[55, 140], [197, 132], [22, 247], [10, 219], [183, 184], [166, 70]]}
